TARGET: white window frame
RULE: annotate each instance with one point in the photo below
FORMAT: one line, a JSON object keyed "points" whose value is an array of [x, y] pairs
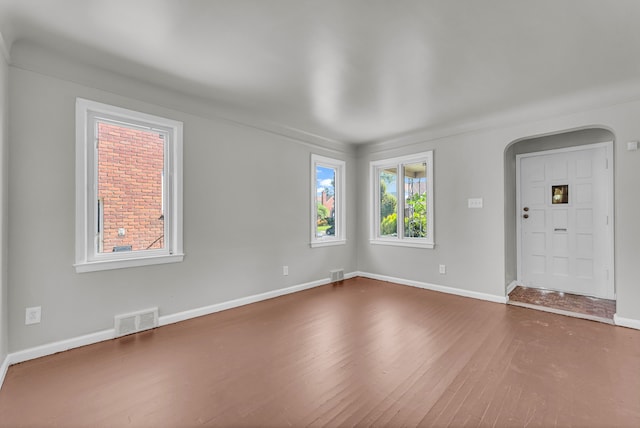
{"points": [[399, 162], [88, 259], [340, 236]]}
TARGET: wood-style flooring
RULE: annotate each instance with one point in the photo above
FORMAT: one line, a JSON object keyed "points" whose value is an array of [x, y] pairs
{"points": [[365, 353]]}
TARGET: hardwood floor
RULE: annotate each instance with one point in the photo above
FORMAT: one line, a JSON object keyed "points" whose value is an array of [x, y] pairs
{"points": [[360, 354]]}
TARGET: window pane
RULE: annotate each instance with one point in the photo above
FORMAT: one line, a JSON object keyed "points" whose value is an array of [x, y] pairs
{"points": [[388, 202], [325, 201], [130, 189], [415, 206]]}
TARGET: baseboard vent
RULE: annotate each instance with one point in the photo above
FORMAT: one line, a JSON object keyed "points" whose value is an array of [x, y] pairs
{"points": [[136, 321], [337, 275]]}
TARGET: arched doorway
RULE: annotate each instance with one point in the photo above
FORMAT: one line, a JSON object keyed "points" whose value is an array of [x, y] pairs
{"points": [[555, 277]]}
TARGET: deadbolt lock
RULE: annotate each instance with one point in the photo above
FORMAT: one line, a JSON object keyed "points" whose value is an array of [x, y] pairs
{"points": [[526, 208], [526, 216]]}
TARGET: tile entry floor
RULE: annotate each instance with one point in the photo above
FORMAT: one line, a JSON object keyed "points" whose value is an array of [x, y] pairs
{"points": [[576, 305]]}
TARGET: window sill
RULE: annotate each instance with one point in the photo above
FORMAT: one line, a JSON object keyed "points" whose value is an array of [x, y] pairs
{"points": [[402, 243], [328, 243], [95, 266]]}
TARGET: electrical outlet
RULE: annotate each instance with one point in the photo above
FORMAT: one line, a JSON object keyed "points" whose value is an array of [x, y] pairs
{"points": [[442, 269], [285, 270], [32, 315]]}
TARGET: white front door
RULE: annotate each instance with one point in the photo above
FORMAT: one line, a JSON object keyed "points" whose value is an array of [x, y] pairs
{"points": [[565, 220]]}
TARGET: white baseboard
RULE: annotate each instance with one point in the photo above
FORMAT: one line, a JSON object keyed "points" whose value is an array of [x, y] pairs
{"points": [[88, 339], [206, 310], [3, 369], [626, 322], [435, 287], [62, 345], [512, 287]]}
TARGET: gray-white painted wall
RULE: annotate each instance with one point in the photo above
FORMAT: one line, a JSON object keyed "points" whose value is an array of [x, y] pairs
{"points": [[4, 138], [468, 242], [246, 214], [246, 209], [472, 243]]}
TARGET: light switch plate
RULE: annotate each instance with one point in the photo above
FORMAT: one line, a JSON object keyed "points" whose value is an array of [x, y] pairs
{"points": [[475, 202], [632, 145]]}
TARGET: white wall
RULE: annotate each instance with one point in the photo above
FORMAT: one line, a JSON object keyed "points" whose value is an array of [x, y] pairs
{"points": [[472, 242], [468, 242], [235, 242], [246, 211], [4, 136]]}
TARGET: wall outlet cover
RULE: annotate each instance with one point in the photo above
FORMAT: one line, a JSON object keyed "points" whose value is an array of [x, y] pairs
{"points": [[33, 315]]}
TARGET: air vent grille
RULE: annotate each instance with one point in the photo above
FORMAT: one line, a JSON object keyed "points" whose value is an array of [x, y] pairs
{"points": [[136, 321], [337, 275]]}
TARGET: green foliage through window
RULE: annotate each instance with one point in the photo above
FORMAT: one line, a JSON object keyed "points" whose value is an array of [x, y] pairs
{"points": [[403, 199], [323, 212], [388, 204], [415, 224]]}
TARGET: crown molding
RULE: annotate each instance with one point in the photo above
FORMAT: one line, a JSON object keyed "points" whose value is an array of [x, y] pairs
{"points": [[566, 105], [39, 59]]}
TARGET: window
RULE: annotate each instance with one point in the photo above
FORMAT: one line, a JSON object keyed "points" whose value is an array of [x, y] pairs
{"points": [[327, 201], [402, 208], [128, 188]]}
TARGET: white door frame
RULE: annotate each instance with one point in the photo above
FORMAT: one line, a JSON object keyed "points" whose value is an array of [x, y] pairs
{"points": [[610, 205]]}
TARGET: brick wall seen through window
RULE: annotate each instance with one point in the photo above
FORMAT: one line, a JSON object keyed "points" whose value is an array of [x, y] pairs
{"points": [[130, 186]]}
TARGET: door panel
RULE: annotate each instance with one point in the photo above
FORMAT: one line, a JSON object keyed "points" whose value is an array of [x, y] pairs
{"points": [[564, 225]]}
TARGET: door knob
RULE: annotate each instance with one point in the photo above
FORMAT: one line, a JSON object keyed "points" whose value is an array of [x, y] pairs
{"points": [[526, 208], [526, 216]]}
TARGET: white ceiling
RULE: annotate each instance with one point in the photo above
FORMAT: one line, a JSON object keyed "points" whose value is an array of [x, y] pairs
{"points": [[350, 70]]}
